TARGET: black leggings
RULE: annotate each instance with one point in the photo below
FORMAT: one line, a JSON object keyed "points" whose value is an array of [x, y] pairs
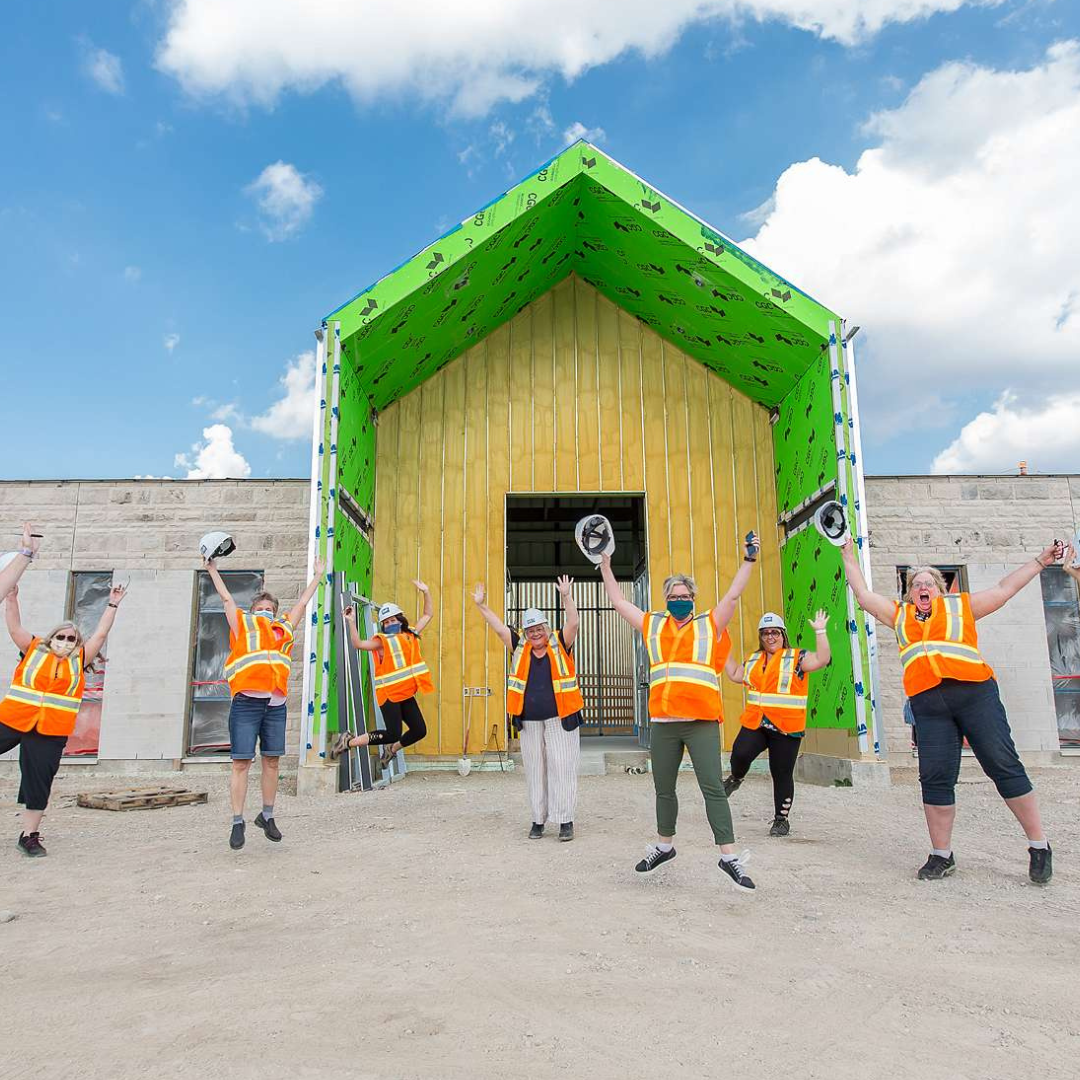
{"points": [[783, 750], [395, 714], [39, 758]]}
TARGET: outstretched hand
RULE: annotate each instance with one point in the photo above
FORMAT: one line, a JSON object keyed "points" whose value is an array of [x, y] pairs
{"points": [[479, 593], [117, 593], [819, 621], [318, 568], [350, 614], [420, 585], [564, 583], [1069, 556], [30, 542]]}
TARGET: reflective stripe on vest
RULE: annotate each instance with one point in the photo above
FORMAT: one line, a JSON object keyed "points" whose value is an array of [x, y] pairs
{"points": [[398, 670], [45, 692], [564, 684], [256, 650], [684, 680], [785, 704], [943, 646]]}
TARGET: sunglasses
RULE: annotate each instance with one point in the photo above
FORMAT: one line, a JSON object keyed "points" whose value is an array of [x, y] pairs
{"points": [[65, 637]]}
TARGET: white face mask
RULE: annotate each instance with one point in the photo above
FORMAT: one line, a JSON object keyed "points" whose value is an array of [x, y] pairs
{"points": [[62, 648], [262, 613]]}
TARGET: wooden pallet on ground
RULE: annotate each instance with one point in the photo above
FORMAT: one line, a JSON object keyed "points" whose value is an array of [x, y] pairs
{"points": [[140, 798]]}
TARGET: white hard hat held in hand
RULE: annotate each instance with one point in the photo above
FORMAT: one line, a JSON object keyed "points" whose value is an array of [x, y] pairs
{"points": [[831, 521], [216, 545], [595, 537]]}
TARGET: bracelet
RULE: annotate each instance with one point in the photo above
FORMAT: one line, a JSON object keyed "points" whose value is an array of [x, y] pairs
{"points": [[1044, 565], [27, 552], [746, 558], [822, 631], [110, 604]]}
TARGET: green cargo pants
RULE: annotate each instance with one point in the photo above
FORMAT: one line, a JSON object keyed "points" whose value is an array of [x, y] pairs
{"points": [[702, 739]]}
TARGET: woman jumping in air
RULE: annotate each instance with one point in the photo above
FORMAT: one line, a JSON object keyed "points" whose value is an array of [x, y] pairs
{"points": [[400, 674], [775, 716]]}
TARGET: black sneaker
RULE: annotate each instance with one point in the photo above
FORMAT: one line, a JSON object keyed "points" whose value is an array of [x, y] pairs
{"points": [[537, 831], [653, 858], [236, 837], [733, 869], [31, 845], [566, 831], [731, 785], [1040, 868], [780, 827], [268, 827], [937, 867]]}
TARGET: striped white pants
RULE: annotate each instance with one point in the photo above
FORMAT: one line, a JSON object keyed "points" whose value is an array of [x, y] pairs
{"points": [[550, 755]]}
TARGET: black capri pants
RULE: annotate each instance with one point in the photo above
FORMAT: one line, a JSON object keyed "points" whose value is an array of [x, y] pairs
{"points": [[39, 759], [948, 713], [396, 715]]}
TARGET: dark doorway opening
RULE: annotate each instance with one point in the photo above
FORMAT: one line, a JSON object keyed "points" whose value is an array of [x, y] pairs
{"points": [[540, 546]]}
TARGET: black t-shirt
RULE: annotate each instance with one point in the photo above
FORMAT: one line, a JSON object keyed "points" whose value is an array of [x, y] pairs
{"points": [[539, 691]]}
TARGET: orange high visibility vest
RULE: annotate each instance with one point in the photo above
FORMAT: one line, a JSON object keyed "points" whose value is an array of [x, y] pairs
{"points": [[945, 646], [776, 689], [260, 656], [46, 691], [568, 699], [684, 666], [400, 670]]}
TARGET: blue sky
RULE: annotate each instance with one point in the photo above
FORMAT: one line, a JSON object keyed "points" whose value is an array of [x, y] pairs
{"points": [[146, 297]]}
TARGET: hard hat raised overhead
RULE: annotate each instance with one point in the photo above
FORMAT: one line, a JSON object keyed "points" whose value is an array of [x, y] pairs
{"points": [[595, 537], [831, 521], [216, 545]]}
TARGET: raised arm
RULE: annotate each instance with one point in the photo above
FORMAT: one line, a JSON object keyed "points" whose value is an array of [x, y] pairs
{"points": [[630, 612], [97, 639], [733, 670], [882, 608], [429, 610], [9, 576], [21, 637], [502, 631], [371, 644], [987, 601], [722, 613], [572, 621], [297, 612], [223, 592], [822, 654]]}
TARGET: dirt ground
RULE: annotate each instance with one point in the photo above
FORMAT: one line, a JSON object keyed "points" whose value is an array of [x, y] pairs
{"points": [[415, 932]]}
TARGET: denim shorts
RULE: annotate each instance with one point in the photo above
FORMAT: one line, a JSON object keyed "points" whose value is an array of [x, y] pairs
{"points": [[252, 719]]}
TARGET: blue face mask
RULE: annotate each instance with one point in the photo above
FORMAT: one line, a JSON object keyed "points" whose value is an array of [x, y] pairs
{"points": [[680, 608], [390, 629], [263, 614]]}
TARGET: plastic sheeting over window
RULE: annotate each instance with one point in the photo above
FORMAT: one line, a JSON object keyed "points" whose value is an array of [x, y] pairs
{"points": [[208, 726], [1061, 606], [89, 595]]}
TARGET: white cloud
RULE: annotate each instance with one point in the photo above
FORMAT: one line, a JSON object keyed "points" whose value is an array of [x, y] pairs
{"points": [[577, 130], [133, 274], [471, 53], [170, 342], [953, 241], [291, 416], [1046, 436], [286, 200], [225, 412], [105, 68], [215, 458], [502, 135]]}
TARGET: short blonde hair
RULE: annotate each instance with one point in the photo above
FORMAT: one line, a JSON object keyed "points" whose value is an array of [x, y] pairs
{"points": [[933, 571], [679, 579], [67, 624], [259, 597]]}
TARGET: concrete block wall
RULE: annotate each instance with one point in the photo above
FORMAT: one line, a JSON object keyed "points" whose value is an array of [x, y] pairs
{"points": [[149, 530], [990, 525]]}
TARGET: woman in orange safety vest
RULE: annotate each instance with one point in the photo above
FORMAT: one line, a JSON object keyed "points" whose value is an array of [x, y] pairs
{"points": [[38, 713], [774, 719], [686, 653], [953, 696], [400, 674], [544, 702]]}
